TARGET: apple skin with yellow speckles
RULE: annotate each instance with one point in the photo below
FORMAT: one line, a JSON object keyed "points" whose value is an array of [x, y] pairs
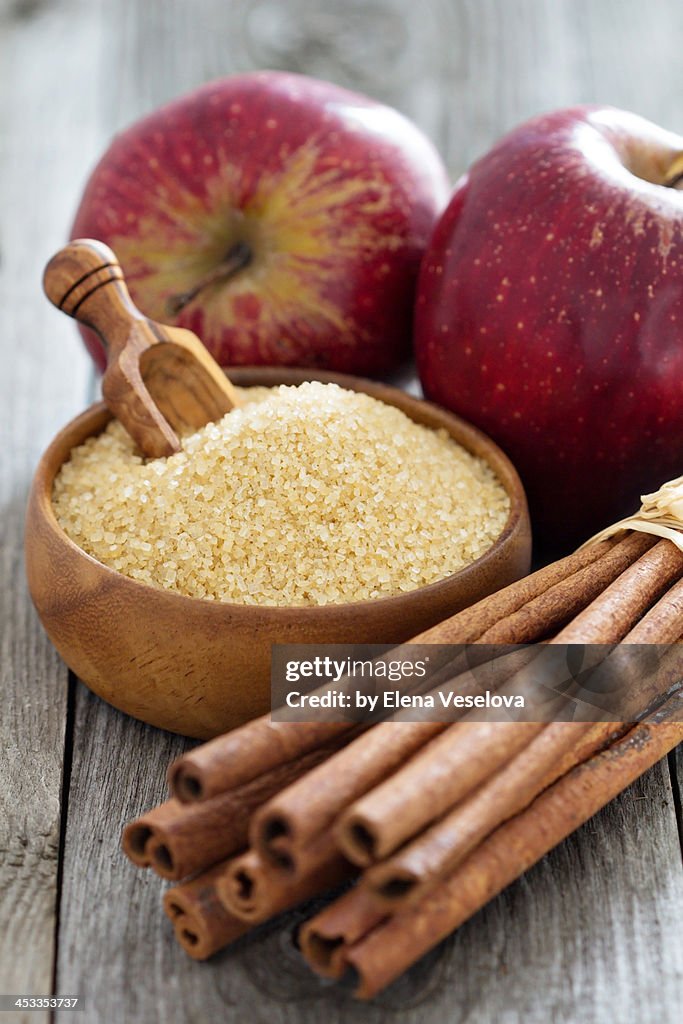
{"points": [[281, 218], [550, 312]]}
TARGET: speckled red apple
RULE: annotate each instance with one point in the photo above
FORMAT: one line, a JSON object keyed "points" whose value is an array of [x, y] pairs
{"points": [[550, 312], [281, 218]]}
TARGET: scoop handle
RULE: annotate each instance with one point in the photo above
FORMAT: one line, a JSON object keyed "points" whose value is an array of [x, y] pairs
{"points": [[85, 281]]}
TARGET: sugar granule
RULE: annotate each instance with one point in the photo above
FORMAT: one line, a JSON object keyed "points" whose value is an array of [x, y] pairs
{"points": [[305, 495]]}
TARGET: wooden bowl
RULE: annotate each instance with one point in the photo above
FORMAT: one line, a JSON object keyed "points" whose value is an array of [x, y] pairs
{"points": [[202, 667]]}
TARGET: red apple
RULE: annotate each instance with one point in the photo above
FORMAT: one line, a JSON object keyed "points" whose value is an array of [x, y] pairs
{"points": [[281, 218], [550, 312]]}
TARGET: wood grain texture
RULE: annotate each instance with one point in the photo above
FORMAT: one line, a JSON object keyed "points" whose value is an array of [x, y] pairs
{"points": [[592, 933], [43, 382]]}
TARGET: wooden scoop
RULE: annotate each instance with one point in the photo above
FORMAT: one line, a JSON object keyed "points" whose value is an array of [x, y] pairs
{"points": [[159, 379]]}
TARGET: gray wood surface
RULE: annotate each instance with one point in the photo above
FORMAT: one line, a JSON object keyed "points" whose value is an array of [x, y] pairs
{"points": [[39, 172], [592, 933]]}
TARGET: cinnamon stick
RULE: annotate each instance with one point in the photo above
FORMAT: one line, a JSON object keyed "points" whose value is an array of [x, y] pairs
{"points": [[432, 782], [177, 839], [286, 824], [433, 855], [251, 891], [244, 754], [617, 610], [391, 947], [471, 623], [325, 939], [631, 680], [609, 618], [663, 624], [555, 606], [648, 661], [297, 862], [201, 923]]}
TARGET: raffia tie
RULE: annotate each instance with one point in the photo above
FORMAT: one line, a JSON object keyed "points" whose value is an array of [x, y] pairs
{"points": [[661, 514]]}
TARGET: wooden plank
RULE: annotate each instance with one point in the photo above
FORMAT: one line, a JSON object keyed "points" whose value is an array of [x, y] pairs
{"points": [[46, 127], [590, 933]]}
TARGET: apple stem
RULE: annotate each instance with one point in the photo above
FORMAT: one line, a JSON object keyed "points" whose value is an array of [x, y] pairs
{"points": [[674, 176], [238, 257]]}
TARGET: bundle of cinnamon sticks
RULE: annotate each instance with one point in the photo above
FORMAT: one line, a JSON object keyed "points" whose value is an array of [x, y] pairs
{"points": [[429, 819]]}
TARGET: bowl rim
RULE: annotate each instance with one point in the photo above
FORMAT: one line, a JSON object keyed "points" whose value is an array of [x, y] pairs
{"points": [[271, 376]]}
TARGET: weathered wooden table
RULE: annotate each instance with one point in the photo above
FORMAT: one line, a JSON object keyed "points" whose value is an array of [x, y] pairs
{"points": [[593, 933]]}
